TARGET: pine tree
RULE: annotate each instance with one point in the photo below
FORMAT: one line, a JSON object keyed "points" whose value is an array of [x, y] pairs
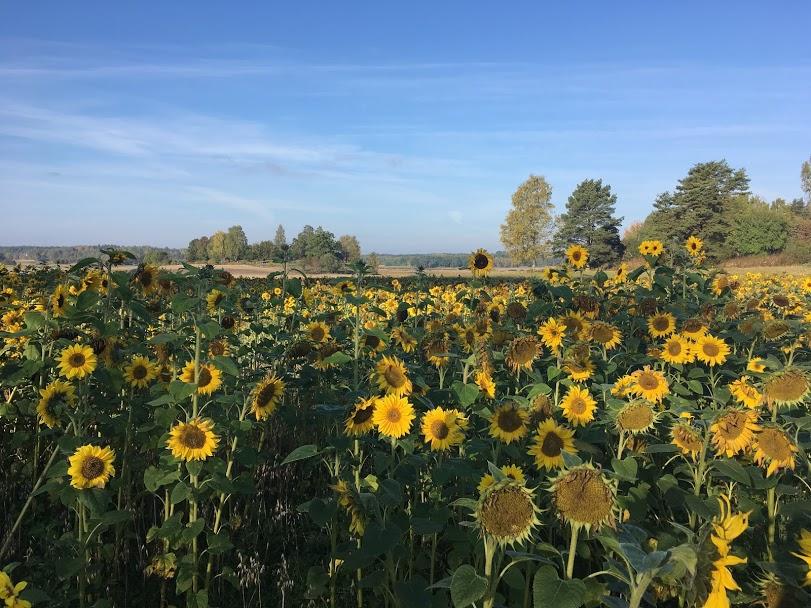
{"points": [[589, 221]]}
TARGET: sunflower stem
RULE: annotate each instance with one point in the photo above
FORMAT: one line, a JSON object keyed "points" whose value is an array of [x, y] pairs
{"points": [[489, 552], [572, 551], [771, 507]]}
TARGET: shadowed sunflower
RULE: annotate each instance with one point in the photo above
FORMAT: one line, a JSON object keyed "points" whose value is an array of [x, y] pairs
{"points": [[711, 350], [805, 553], [623, 386], [552, 333], [436, 351], [786, 387], [578, 406], [360, 420], [506, 513], [508, 423], [146, 277], [480, 263], [91, 467], [650, 384], [139, 372], [685, 437], [348, 499], [56, 393], [58, 300], [77, 361], [193, 440], [390, 374], [677, 350], [510, 470], [441, 430], [584, 498], [774, 447], [693, 329], [755, 364], [636, 417], [734, 431], [317, 331], [393, 416], [522, 352], [745, 393], [403, 339], [214, 299], [548, 446], [208, 380], [661, 324], [578, 363], [218, 348], [577, 256], [266, 396]]}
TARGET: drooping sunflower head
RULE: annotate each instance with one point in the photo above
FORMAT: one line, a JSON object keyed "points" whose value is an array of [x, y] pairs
{"points": [[522, 352], [577, 362], [193, 440], [517, 311], [214, 299], [359, 422], [218, 348], [550, 443], [508, 423], [146, 277], [577, 256], [480, 263], [391, 376], [436, 351], [393, 416], [775, 329], [774, 447], [584, 498], [266, 396], [787, 387], [77, 361], [636, 417], [507, 513], [91, 467]]}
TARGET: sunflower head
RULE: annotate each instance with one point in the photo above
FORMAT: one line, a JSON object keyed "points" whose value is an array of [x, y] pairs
{"points": [[91, 467], [441, 429], [636, 417], [266, 396], [508, 423], [77, 361], [522, 352], [583, 497], [507, 513], [193, 440], [480, 263], [393, 416], [577, 256], [550, 443], [774, 447], [787, 387], [359, 422], [391, 376]]}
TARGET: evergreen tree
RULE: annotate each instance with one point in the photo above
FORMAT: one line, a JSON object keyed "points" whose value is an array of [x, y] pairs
{"points": [[589, 221], [280, 240]]}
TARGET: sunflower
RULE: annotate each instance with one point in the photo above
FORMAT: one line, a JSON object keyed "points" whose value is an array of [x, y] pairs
{"points": [[393, 416], [208, 380], [146, 277], [193, 440], [508, 423], [317, 331], [650, 384], [91, 467], [551, 441], [480, 263], [57, 392], [711, 350], [755, 364], [577, 256], [486, 384], [576, 325], [440, 429], [694, 245], [507, 513], [775, 448], [552, 333], [661, 324], [510, 470], [10, 592], [218, 348], [58, 300], [584, 498], [677, 350], [745, 393], [605, 334], [522, 352], [351, 503], [436, 351], [578, 363], [623, 386], [805, 553], [786, 387], [578, 406], [687, 439], [323, 354], [693, 329], [213, 300], [139, 372], [403, 339], [391, 377], [77, 361], [636, 417], [734, 431], [651, 248], [360, 420], [266, 396]]}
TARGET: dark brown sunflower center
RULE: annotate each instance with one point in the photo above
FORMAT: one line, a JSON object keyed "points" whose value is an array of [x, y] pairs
{"points": [[394, 415], [480, 261], [372, 341], [648, 381], [92, 467], [217, 348], [509, 420], [266, 394], [661, 323], [192, 437], [317, 333], [363, 415], [674, 348], [139, 372], [60, 301], [576, 255], [439, 429], [146, 278], [552, 444], [602, 333], [204, 379], [77, 360], [710, 349]]}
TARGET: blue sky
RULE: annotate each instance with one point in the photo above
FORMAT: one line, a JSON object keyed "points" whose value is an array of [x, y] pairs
{"points": [[407, 124]]}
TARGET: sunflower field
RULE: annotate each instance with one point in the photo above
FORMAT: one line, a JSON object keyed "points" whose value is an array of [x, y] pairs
{"points": [[620, 438]]}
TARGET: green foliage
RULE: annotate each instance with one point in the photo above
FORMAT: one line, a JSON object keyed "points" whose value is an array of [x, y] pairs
{"points": [[527, 227], [756, 228]]}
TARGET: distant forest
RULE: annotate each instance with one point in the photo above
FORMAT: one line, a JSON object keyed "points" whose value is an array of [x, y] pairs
{"points": [[69, 254]]}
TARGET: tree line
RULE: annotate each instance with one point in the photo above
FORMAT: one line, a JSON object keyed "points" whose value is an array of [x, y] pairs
{"points": [[712, 202]]}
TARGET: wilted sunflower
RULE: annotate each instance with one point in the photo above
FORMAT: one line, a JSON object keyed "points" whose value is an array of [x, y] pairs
{"points": [[734, 431], [650, 384], [551, 441], [193, 440], [605, 334], [510, 470], [687, 439], [578, 406], [51, 396], [139, 372], [360, 420], [208, 380], [91, 467], [317, 331], [58, 300], [266, 396], [508, 423], [636, 417], [694, 246], [745, 393], [77, 361], [218, 348], [775, 329], [577, 256], [661, 324], [441, 430], [552, 333], [775, 448], [480, 263], [584, 498], [506, 512], [390, 374], [393, 416], [522, 352], [786, 387], [677, 350]]}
